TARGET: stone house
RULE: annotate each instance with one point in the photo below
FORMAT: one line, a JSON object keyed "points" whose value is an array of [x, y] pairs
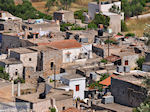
{"points": [[64, 16], [56, 98], [128, 90], [48, 59], [41, 26], [26, 56], [146, 64], [146, 67], [102, 50], [128, 59], [13, 67], [76, 83], [9, 41], [71, 50]]}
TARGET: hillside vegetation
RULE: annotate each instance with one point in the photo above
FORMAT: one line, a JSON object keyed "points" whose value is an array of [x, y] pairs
{"points": [[24, 11]]}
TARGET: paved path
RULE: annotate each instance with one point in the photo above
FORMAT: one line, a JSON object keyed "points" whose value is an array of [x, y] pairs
{"points": [[141, 16]]}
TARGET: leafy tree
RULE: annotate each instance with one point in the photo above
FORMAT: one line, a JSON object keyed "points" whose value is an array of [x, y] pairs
{"points": [[66, 3], [24, 11], [140, 61], [101, 19], [49, 3], [3, 74], [123, 26], [79, 14]]}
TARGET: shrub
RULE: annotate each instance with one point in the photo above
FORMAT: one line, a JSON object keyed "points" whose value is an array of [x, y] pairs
{"points": [[52, 110], [63, 26], [104, 76], [130, 35], [140, 62], [92, 26], [120, 34], [123, 26], [77, 28], [104, 61], [24, 11], [79, 14], [21, 80]]}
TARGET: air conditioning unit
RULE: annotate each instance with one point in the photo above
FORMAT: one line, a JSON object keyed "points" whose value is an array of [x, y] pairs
{"points": [[120, 69], [126, 69]]}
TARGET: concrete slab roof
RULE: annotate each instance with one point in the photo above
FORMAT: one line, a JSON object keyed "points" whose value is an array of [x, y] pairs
{"points": [[22, 50], [11, 61], [74, 76], [57, 94]]}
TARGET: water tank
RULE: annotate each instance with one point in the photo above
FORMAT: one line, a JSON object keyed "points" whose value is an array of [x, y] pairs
{"points": [[126, 69], [100, 32], [120, 69]]}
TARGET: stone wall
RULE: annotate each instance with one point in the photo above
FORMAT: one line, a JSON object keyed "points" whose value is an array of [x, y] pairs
{"points": [[13, 42], [127, 93], [49, 57]]}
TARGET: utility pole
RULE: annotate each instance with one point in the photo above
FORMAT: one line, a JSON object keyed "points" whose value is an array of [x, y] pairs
{"points": [[108, 45], [54, 76]]}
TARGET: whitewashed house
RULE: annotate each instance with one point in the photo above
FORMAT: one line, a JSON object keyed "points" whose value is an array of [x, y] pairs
{"points": [[76, 83], [13, 67], [72, 51]]}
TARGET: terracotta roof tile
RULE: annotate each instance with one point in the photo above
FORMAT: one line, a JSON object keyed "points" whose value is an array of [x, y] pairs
{"points": [[63, 44], [107, 81]]}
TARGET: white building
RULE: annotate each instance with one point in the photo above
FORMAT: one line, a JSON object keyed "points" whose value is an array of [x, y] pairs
{"points": [[13, 67], [72, 50], [103, 8], [7, 16], [76, 83], [94, 8]]}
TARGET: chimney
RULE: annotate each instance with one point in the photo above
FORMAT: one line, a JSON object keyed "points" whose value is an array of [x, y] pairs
{"points": [[18, 88]]}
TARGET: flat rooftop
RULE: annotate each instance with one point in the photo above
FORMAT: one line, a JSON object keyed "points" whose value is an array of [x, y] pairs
{"points": [[42, 48], [11, 61], [121, 54], [4, 83], [135, 77], [57, 94], [22, 50], [74, 76]]}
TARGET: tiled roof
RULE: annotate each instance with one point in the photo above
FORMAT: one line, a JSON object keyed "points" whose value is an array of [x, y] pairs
{"points": [[63, 44], [71, 110], [112, 58], [107, 81]]}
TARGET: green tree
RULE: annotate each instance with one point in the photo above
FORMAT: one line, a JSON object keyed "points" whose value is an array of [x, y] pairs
{"points": [[49, 3], [66, 3], [140, 62], [123, 26]]}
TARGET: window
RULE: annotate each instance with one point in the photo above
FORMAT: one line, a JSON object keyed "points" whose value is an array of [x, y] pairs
{"points": [[16, 73], [77, 87], [30, 59], [63, 108], [52, 65], [126, 62]]}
